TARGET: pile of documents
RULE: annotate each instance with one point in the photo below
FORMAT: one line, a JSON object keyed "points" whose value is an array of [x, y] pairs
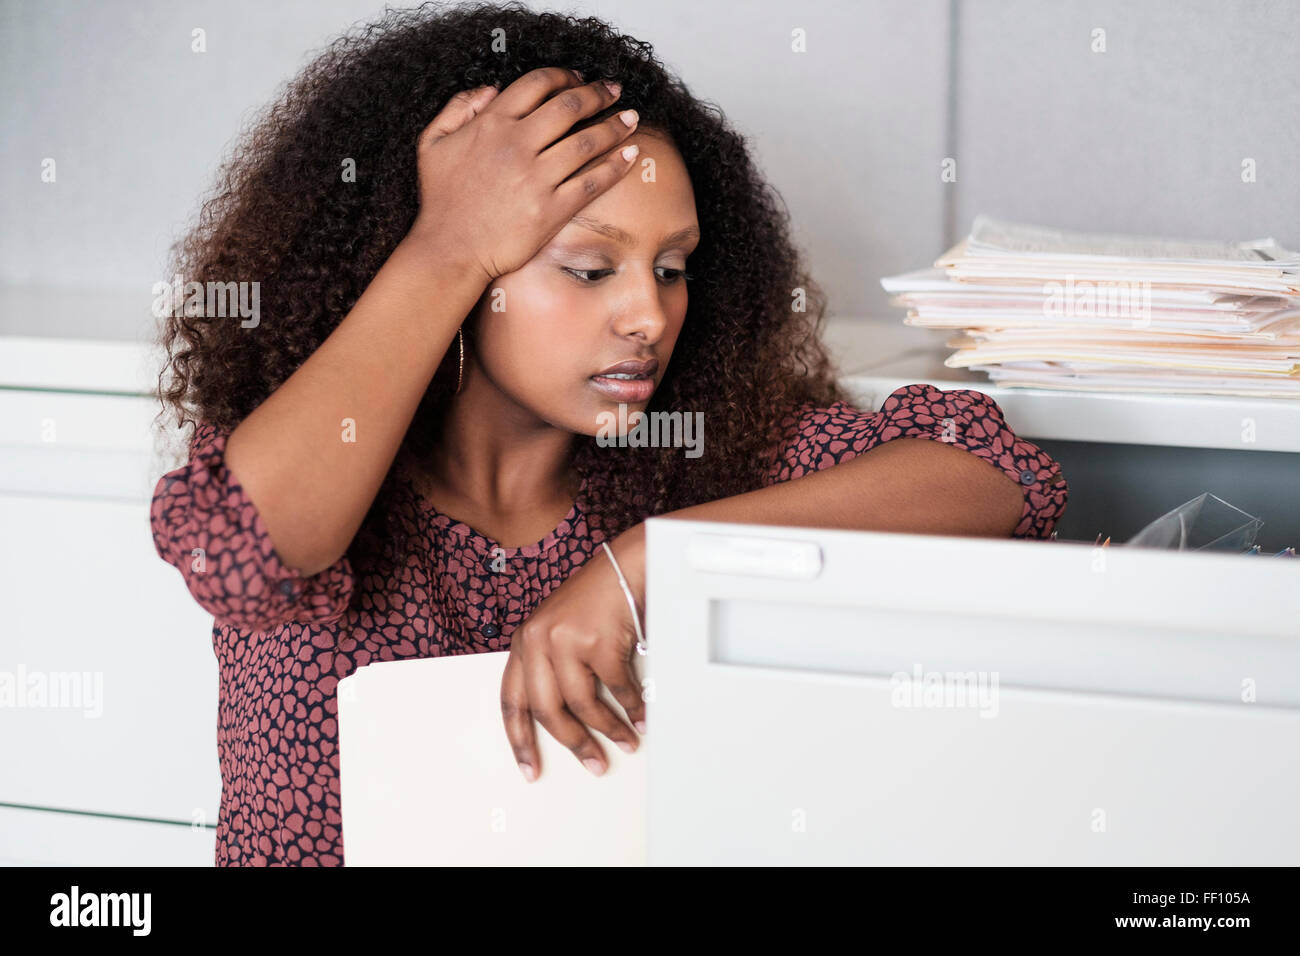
{"points": [[1046, 308]]}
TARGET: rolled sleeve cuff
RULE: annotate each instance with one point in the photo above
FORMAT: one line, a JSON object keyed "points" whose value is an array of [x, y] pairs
{"points": [[975, 422]]}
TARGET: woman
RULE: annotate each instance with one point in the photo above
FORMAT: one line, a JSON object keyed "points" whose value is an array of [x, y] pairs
{"points": [[464, 271]]}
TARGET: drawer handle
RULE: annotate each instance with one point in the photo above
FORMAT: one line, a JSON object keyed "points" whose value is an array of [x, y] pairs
{"points": [[761, 557]]}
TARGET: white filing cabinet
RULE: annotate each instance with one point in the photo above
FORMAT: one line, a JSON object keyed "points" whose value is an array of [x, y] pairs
{"points": [[119, 766], [829, 697]]}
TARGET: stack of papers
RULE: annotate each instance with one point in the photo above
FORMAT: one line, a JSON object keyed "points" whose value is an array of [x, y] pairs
{"points": [[1047, 308]]}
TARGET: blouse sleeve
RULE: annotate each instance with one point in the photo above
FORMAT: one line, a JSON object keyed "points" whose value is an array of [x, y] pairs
{"points": [[817, 438], [206, 527]]}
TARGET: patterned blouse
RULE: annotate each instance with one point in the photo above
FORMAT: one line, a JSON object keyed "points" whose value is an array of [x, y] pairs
{"points": [[283, 641]]}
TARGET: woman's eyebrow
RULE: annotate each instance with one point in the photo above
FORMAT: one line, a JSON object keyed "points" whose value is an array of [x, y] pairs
{"points": [[619, 236]]}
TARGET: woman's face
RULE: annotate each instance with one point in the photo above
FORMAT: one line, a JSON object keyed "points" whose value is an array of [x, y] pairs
{"points": [[606, 289]]}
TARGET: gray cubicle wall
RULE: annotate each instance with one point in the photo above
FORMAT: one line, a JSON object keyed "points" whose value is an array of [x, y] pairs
{"points": [[849, 131], [852, 129], [1148, 136]]}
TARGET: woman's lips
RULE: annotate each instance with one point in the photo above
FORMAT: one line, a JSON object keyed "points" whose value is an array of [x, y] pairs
{"points": [[624, 389]]}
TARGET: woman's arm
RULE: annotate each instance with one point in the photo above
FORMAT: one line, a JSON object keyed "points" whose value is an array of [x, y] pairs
{"points": [[915, 485], [312, 488], [258, 520], [837, 467], [478, 219], [906, 484], [206, 527]]}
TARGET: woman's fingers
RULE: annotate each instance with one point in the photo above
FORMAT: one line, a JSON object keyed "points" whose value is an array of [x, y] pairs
{"points": [[616, 673], [483, 190], [587, 184], [518, 719], [587, 147], [522, 97], [554, 118], [577, 683], [460, 109], [546, 701]]}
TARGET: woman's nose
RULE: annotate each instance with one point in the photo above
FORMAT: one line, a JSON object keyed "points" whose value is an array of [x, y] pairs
{"points": [[643, 311]]}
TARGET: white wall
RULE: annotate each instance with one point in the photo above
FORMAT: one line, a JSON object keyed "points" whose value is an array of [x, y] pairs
{"points": [[137, 124], [1146, 137]]}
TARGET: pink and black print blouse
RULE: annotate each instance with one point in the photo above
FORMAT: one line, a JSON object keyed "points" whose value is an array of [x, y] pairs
{"points": [[283, 641]]}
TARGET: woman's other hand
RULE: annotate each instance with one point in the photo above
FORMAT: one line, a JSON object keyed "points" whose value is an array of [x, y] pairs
{"points": [[497, 182], [581, 632]]}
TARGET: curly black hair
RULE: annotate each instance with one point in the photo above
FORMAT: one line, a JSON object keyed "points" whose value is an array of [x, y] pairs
{"points": [[749, 350]]}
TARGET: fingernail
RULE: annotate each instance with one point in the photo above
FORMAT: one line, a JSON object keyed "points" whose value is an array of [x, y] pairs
{"points": [[628, 117], [578, 74], [594, 765], [529, 774], [613, 86], [626, 747], [640, 726], [629, 152]]}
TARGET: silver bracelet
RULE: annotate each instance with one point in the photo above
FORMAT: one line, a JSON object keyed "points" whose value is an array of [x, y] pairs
{"points": [[631, 601]]}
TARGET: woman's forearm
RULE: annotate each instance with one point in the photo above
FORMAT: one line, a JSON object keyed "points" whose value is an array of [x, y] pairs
{"points": [[310, 486], [915, 485]]}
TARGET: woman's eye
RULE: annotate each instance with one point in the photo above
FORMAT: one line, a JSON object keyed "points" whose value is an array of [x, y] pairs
{"points": [[591, 276], [582, 274]]}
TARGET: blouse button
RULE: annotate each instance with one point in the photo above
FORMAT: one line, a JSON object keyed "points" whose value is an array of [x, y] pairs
{"points": [[1028, 477], [286, 588], [490, 630]]}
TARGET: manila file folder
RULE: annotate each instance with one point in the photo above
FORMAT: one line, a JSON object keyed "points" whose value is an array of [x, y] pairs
{"points": [[428, 777]]}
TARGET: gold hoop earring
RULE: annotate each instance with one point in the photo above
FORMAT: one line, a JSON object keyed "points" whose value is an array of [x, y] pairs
{"points": [[460, 373]]}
